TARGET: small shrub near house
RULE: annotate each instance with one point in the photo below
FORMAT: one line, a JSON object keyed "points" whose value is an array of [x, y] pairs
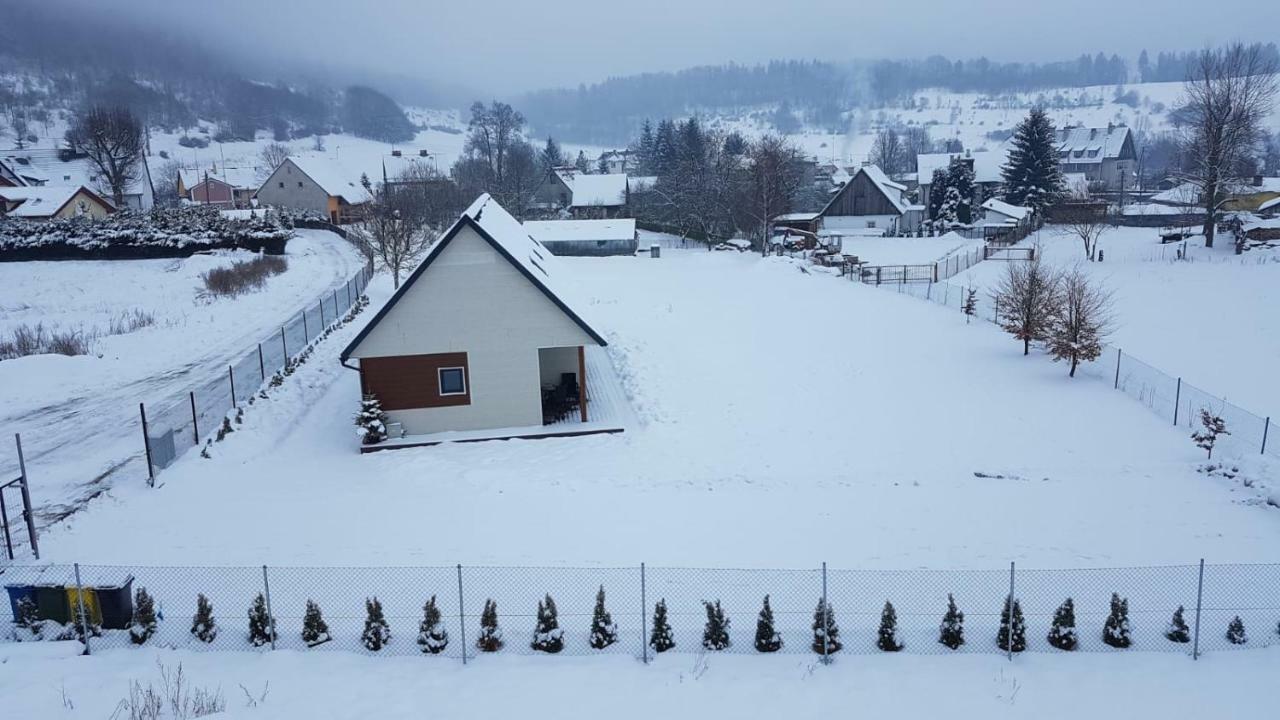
{"points": [[376, 633], [661, 638], [432, 636], [603, 630], [951, 632], [143, 625], [203, 626], [262, 627], [826, 633], [1012, 636], [767, 638], [315, 630], [887, 637], [490, 639], [1116, 631], [715, 636], [1178, 630], [1062, 633]]}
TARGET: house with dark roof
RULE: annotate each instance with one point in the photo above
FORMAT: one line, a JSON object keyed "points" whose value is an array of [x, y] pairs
{"points": [[1105, 156], [318, 184], [485, 339], [582, 195], [868, 204]]}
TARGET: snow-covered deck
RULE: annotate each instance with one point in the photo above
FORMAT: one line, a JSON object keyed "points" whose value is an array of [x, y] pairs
{"points": [[608, 411]]}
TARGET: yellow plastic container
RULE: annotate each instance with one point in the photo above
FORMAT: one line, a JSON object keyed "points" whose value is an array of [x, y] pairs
{"points": [[91, 606]]}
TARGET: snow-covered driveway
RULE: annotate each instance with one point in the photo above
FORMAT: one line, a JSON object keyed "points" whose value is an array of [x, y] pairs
{"points": [[79, 415]]}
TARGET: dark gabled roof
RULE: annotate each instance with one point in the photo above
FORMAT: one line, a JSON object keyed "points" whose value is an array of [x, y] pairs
{"points": [[877, 179], [471, 218]]}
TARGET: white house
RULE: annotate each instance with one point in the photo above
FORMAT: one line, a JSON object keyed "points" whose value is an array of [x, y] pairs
{"points": [[582, 194], [586, 237], [485, 334], [986, 166], [49, 167]]}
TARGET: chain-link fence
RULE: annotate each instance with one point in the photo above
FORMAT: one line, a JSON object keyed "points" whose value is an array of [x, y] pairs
{"points": [[1212, 596], [185, 422], [1166, 395]]}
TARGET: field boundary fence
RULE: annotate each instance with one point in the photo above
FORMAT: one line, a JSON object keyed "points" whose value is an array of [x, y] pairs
{"points": [[98, 604], [172, 428], [1163, 393]]}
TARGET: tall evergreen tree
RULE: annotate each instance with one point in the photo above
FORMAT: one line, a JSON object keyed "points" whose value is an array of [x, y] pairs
{"points": [[490, 639], [548, 637], [203, 625], [582, 163], [432, 636], [1116, 630], [1013, 627], [661, 638], [644, 149], [960, 178], [1178, 630], [887, 637], [603, 631], [715, 636], [143, 625], [937, 193], [951, 633], [1032, 176], [551, 155], [826, 633], [1062, 634], [767, 637], [376, 633], [262, 627], [314, 629], [665, 149]]}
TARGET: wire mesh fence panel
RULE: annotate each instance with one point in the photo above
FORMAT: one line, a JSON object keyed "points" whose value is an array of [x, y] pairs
{"points": [[1250, 592], [1147, 385], [1246, 429], [248, 376], [518, 591], [295, 335], [170, 432]]}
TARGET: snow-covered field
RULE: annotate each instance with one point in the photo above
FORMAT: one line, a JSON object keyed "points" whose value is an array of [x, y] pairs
{"points": [[79, 415], [1210, 319], [787, 418]]}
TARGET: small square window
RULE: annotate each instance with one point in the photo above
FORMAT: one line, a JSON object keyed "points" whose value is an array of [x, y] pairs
{"points": [[299, 183], [453, 381], [282, 185]]}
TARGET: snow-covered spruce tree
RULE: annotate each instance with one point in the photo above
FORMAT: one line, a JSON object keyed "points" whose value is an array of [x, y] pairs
{"points": [[1080, 320], [27, 618], [937, 195], [1026, 301], [1013, 627], [767, 638], [960, 179], [143, 624], [1062, 634], [949, 211], [970, 307], [715, 636], [603, 631], [1235, 632], [1116, 630], [661, 638], [371, 421], [376, 632], [826, 633], [262, 628], [203, 626], [887, 637], [1178, 630], [548, 637], [490, 639], [951, 633], [82, 621], [1211, 426], [432, 637], [314, 629], [1032, 176]]}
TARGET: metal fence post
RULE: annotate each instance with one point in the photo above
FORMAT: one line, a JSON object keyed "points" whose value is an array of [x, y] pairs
{"points": [[335, 303], [826, 616], [195, 424], [27, 514], [146, 444], [284, 345], [462, 618], [348, 293], [1195, 649], [262, 366], [644, 618], [231, 376], [321, 304], [1177, 399], [4, 522], [1119, 352], [306, 332], [1009, 639], [84, 616], [271, 616], [1265, 427]]}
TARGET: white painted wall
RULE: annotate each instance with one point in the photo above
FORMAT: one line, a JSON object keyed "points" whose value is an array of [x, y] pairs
{"points": [[473, 300]]}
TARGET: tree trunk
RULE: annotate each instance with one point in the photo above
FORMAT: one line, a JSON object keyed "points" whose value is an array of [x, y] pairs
{"points": [[1026, 345], [1074, 362]]}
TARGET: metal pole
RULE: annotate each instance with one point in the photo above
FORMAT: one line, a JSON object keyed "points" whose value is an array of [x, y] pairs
{"points": [[284, 344], [146, 443], [195, 425], [4, 520], [262, 366], [1195, 649], [1177, 398], [321, 304], [231, 376], [826, 616], [348, 293], [1265, 427], [462, 618], [306, 332], [644, 619], [335, 303], [1008, 641], [26, 498], [271, 616], [1119, 352], [84, 617]]}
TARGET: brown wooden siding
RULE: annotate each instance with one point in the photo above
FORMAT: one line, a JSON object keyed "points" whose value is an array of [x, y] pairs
{"points": [[861, 197], [406, 382]]}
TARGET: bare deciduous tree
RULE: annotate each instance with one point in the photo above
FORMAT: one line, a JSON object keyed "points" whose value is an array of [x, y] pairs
{"points": [[773, 178], [1026, 299], [273, 156], [889, 153], [1088, 224], [1080, 321], [1226, 101], [391, 232], [112, 138]]}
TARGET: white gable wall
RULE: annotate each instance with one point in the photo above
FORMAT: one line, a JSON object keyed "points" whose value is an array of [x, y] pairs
{"points": [[471, 299]]}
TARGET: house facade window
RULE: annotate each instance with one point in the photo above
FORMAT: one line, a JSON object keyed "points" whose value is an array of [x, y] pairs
{"points": [[452, 381], [282, 185]]}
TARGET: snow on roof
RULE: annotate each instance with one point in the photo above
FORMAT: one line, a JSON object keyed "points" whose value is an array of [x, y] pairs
{"points": [[987, 165], [1016, 212], [40, 201], [1273, 203], [595, 190], [244, 178], [550, 231], [332, 177], [797, 217], [47, 166], [1091, 145]]}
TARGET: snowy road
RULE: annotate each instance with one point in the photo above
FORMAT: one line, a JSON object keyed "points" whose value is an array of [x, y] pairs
{"points": [[78, 416]]}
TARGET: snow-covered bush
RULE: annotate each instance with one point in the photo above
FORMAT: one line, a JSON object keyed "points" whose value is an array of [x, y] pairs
{"points": [[1062, 633], [826, 633], [1211, 426], [314, 629], [603, 630], [1235, 632], [715, 636], [951, 633], [432, 637], [262, 627], [143, 624], [887, 637], [1013, 628], [1178, 630], [203, 626], [548, 637], [1116, 630], [27, 622], [661, 638], [767, 637], [371, 421], [376, 631], [490, 639]]}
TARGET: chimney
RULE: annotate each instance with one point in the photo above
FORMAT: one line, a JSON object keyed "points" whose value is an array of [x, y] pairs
{"points": [[1257, 181], [423, 153], [395, 153], [1093, 133]]}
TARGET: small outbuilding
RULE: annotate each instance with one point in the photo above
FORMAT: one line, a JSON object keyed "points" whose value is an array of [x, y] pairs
{"points": [[484, 340], [586, 237]]}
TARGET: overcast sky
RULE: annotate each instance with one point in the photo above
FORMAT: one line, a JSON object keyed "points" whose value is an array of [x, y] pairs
{"points": [[505, 46]]}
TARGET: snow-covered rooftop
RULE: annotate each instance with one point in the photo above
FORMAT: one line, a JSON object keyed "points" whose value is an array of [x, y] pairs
{"points": [[987, 165], [1270, 204], [1091, 145], [39, 201], [1016, 212], [545, 231], [595, 190], [891, 189], [237, 177], [47, 166], [333, 177]]}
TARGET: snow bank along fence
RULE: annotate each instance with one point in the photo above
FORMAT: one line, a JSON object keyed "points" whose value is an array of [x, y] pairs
{"points": [[185, 422], [101, 600], [1164, 394]]}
